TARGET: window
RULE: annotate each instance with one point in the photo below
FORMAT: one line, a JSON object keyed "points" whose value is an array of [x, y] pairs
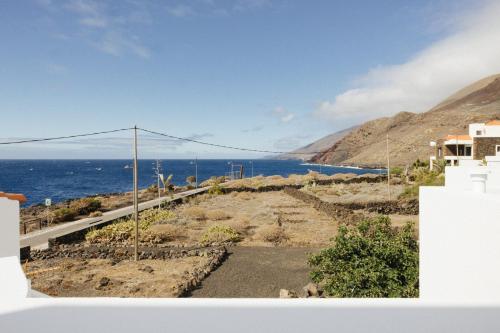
{"points": [[468, 150], [498, 149], [479, 132], [440, 151]]}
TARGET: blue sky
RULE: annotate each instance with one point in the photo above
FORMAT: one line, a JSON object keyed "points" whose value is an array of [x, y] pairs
{"points": [[262, 74]]}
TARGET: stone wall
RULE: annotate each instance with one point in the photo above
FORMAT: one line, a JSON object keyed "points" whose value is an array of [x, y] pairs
{"points": [[347, 210], [215, 255], [485, 147], [368, 178]]}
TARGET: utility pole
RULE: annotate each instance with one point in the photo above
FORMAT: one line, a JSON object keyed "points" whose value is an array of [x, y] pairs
{"points": [[388, 168], [196, 171], [136, 199], [158, 169]]}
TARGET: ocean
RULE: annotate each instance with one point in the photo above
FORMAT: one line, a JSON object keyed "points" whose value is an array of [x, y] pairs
{"points": [[60, 180]]}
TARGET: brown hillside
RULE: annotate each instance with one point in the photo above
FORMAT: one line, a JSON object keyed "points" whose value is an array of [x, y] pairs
{"points": [[410, 133]]}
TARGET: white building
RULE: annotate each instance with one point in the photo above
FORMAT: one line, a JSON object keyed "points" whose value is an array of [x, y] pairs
{"points": [[481, 145]]}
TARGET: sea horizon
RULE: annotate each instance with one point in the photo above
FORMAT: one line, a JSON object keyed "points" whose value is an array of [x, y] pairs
{"points": [[64, 179]]}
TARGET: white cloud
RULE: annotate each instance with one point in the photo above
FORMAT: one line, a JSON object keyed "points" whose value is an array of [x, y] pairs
{"points": [[181, 11], [106, 27], [284, 115], [469, 53]]}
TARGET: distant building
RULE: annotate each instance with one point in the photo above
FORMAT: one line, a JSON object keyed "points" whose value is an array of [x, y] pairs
{"points": [[482, 144]]}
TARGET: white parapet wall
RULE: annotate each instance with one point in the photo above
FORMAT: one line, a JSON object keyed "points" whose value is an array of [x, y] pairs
{"points": [[460, 290], [458, 177], [9, 227], [460, 238]]}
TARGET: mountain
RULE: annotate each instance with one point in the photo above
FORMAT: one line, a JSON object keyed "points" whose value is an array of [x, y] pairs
{"points": [[307, 152], [410, 133]]}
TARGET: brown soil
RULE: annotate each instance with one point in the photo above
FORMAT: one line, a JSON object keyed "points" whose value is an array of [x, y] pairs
{"points": [[102, 277], [253, 213], [347, 193]]}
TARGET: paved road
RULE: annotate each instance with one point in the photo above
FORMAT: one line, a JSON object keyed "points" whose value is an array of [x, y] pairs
{"points": [[257, 272], [40, 238]]}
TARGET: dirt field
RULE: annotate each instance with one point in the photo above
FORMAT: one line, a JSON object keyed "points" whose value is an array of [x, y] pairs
{"points": [[362, 192], [271, 234], [256, 216], [100, 277]]}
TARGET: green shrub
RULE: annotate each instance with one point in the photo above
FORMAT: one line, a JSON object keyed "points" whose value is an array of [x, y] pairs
{"points": [[422, 177], [371, 259], [214, 183], [85, 206], [219, 234], [123, 229], [64, 214], [397, 171]]}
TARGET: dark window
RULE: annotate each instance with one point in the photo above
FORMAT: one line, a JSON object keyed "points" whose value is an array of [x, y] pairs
{"points": [[468, 151], [479, 132]]}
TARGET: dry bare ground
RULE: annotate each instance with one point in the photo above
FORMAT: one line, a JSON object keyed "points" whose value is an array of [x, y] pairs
{"points": [[262, 219], [102, 277], [274, 224]]}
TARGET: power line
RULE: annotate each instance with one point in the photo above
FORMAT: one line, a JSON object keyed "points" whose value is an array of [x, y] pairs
{"points": [[65, 137], [226, 146]]}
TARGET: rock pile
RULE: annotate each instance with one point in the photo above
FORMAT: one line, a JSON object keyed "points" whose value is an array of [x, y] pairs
{"points": [[310, 290]]}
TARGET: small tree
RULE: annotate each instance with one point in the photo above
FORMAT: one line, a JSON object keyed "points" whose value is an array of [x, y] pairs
{"points": [[167, 184], [371, 259]]}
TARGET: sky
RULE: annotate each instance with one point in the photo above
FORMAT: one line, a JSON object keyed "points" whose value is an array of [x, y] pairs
{"points": [[262, 74]]}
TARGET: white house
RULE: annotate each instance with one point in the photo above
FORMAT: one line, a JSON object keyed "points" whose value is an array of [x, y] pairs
{"points": [[481, 144]]}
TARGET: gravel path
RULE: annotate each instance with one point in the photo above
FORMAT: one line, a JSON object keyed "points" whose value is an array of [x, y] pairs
{"points": [[257, 272]]}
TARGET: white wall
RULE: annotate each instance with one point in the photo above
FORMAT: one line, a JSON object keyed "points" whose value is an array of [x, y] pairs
{"points": [[458, 178], [459, 244], [9, 223], [487, 131], [493, 161]]}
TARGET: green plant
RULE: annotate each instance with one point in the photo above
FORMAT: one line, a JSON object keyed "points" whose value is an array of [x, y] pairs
{"points": [[85, 206], [371, 259], [219, 234], [167, 183], [422, 177], [214, 183], [64, 214], [123, 230], [397, 171]]}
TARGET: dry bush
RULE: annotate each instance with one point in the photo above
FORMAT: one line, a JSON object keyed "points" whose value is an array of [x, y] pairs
{"points": [[240, 224], [195, 212], [97, 213], [272, 234], [219, 234], [245, 196], [85, 206], [161, 233], [217, 215], [332, 191]]}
